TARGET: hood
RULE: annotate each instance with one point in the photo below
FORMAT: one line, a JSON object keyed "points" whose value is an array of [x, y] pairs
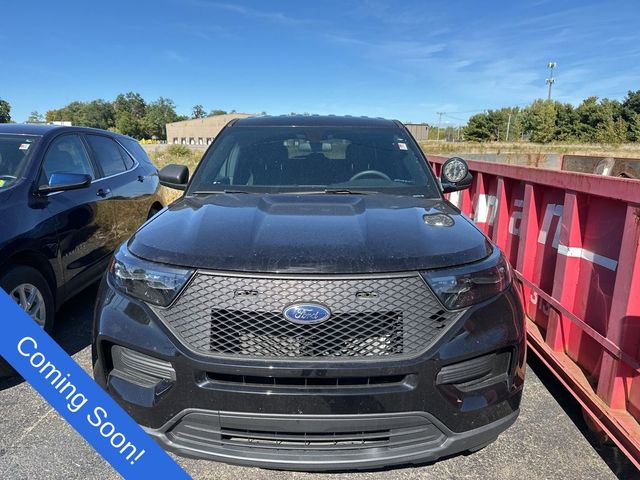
{"points": [[308, 234]]}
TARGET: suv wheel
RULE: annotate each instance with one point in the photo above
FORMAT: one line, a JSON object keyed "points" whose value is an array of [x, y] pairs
{"points": [[30, 290]]}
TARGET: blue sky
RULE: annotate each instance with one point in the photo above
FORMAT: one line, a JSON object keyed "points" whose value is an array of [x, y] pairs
{"points": [[403, 60]]}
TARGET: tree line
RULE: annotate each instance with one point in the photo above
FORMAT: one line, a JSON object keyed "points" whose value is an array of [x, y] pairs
{"points": [[544, 121], [129, 114]]}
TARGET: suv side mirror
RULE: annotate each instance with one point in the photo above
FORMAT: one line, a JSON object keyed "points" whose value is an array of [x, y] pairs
{"points": [[59, 182], [174, 176], [455, 175]]}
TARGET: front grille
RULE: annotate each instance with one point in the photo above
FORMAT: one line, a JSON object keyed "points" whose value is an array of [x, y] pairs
{"points": [[268, 334], [371, 316]]}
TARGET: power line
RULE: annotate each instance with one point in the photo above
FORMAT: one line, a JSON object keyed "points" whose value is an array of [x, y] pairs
{"points": [[456, 118]]}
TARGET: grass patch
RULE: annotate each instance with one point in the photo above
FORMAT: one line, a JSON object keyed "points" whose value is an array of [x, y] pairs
{"points": [[179, 154]]}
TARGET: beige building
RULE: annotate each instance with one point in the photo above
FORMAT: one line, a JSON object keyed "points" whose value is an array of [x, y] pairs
{"points": [[420, 131], [199, 131]]}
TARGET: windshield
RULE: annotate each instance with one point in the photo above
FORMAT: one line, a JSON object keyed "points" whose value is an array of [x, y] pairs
{"points": [[14, 155], [314, 159]]}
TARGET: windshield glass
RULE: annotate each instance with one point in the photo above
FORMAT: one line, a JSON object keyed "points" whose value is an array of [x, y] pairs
{"points": [[14, 155], [314, 159]]}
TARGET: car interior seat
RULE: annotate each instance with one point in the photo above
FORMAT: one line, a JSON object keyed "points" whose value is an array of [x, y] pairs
{"points": [[269, 165]]}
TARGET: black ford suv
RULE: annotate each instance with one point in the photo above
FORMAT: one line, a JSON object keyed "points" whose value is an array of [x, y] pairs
{"points": [[313, 302]]}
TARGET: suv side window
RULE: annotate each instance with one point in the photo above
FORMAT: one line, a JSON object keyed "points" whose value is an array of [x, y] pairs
{"points": [[66, 155], [128, 161], [135, 149], [107, 154]]}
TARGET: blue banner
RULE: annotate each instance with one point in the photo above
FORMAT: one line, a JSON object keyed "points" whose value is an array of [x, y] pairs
{"points": [[81, 401]]}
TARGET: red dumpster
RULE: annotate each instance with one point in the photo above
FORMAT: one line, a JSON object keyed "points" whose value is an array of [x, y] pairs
{"points": [[573, 241]]}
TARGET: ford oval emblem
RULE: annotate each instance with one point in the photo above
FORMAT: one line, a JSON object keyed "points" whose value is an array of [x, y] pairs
{"points": [[306, 313]]}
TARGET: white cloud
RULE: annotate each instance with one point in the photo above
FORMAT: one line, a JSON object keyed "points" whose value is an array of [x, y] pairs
{"points": [[175, 56], [270, 16]]}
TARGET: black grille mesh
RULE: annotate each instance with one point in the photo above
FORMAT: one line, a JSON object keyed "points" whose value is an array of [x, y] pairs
{"points": [[242, 316]]}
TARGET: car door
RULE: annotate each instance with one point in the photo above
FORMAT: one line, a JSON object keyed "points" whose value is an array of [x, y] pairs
{"points": [[127, 202], [80, 215]]}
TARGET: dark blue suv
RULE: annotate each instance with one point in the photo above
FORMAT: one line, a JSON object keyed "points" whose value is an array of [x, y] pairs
{"points": [[68, 197]]}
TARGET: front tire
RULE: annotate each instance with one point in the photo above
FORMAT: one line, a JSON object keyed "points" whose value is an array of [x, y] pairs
{"points": [[29, 289]]}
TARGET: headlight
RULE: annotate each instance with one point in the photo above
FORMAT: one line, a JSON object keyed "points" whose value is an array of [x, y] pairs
{"points": [[151, 282], [462, 286]]}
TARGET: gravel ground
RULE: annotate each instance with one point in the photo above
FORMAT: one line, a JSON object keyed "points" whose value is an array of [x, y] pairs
{"points": [[549, 440]]}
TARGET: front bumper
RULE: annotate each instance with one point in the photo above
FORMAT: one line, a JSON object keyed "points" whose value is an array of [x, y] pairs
{"points": [[319, 415], [355, 441]]}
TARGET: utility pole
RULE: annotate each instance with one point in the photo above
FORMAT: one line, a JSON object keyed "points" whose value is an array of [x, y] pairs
{"points": [[551, 80], [439, 120], [508, 125]]}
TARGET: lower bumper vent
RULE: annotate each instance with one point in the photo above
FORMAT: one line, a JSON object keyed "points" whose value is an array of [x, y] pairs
{"points": [[309, 382], [256, 438]]}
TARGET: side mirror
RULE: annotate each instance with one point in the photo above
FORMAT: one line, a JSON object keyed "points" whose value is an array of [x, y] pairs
{"points": [[60, 182], [455, 175], [174, 176]]}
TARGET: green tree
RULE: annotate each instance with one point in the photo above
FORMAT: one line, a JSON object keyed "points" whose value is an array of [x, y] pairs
{"points": [[129, 110], [594, 120], [630, 106], [5, 111], [601, 121], [634, 128], [98, 114], [494, 125], [589, 116], [157, 115], [72, 112], [566, 122], [478, 128], [215, 112], [130, 102], [127, 125], [51, 115], [612, 130], [35, 117], [506, 121], [198, 112], [539, 120]]}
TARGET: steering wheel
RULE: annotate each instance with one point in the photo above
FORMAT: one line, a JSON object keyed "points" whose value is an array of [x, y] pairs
{"points": [[369, 173]]}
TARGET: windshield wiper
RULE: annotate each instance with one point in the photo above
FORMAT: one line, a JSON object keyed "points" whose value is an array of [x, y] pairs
{"points": [[330, 191], [348, 191], [211, 192], [327, 191]]}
